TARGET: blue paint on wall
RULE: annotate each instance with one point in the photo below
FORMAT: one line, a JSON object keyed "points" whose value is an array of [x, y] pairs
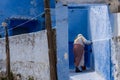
{"points": [[112, 67], [112, 22], [78, 22], [71, 56], [101, 34], [62, 42], [98, 29], [30, 26], [24, 9], [102, 58]]}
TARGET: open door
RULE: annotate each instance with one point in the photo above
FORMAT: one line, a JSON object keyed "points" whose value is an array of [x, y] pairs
{"points": [[78, 21]]}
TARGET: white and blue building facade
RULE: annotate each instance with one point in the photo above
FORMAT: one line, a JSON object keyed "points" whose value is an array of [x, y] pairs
{"points": [[94, 21], [30, 12]]}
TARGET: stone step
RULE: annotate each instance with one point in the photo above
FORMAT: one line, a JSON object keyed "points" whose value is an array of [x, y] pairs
{"points": [[87, 75]]}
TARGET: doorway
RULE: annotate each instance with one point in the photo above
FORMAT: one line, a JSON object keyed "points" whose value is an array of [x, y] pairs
{"points": [[78, 22]]}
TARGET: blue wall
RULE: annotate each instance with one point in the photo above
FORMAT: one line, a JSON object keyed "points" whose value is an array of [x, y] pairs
{"points": [[62, 42], [101, 34], [98, 29], [30, 26], [78, 21], [22, 9]]}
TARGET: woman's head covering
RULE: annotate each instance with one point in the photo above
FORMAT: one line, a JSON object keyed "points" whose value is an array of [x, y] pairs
{"points": [[79, 35]]}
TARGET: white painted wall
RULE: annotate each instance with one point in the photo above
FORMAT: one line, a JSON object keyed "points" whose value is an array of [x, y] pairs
{"points": [[29, 55], [82, 1], [116, 24], [88, 1], [115, 49]]}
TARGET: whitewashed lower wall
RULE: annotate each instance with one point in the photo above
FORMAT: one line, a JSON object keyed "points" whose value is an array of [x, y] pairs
{"points": [[116, 24], [29, 55], [116, 57]]}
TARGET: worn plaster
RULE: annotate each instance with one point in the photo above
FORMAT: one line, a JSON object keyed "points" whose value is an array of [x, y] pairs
{"points": [[29, 55]]}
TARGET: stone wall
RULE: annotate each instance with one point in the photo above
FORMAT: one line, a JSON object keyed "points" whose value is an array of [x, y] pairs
{"points": [[29, 55]]}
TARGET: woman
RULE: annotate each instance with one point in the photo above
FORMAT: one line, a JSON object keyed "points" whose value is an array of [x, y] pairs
{"points": [[79, 44]]}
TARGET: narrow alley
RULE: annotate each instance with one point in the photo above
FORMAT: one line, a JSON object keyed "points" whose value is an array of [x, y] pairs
{"points": [[56, 39]]}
